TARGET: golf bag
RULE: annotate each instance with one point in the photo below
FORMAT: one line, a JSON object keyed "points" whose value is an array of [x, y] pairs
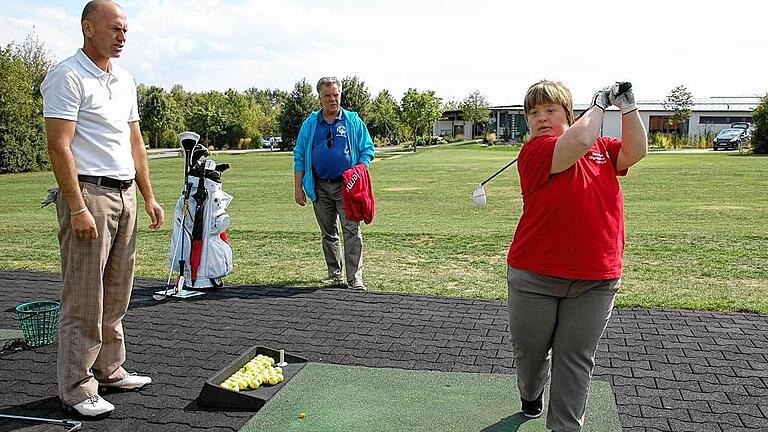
{"points": [[200, 242]]}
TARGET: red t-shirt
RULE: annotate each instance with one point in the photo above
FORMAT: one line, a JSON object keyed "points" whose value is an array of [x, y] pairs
{"points": [[573, 221]]}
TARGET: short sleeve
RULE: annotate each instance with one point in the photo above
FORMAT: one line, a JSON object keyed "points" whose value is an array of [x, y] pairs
{"points": [[62, 94], [613, 147], [535, 163]]}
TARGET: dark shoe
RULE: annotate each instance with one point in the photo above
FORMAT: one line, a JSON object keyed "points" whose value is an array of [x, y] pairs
{"points": [[333, 280], [533, 408]]}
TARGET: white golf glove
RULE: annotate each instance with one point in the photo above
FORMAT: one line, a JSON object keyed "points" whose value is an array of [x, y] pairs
{"points": [[625, 101], [601, 99]]}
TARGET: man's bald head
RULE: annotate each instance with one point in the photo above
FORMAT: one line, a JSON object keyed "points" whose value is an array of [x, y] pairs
{"points": [[94, 7], [104, 28]]}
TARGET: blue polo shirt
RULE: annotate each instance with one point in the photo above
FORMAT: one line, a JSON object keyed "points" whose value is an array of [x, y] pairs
{"points": [[330, 148]]}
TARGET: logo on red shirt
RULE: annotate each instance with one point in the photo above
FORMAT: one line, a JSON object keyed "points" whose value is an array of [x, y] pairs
{"points": [[598, 157]]}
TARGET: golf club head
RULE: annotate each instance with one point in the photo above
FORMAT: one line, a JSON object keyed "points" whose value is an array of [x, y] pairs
{"points": [[478, 196], [198, 152], [210, 165], [222, 167], [188, 140]]}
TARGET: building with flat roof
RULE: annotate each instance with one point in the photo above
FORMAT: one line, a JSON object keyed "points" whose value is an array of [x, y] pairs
{"points": [[708, 117]]}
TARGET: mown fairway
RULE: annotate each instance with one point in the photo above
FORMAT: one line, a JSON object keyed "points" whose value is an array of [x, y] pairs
{"points": [[696, 226]]}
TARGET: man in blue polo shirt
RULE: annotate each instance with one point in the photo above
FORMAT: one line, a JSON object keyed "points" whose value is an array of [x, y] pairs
{"points": [[331, 141]]}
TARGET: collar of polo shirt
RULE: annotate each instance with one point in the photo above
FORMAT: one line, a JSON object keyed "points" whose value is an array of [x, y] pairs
{"points": [[321, 118], [91, 67]]}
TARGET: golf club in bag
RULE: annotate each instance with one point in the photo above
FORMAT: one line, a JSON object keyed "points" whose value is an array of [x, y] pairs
{"points": [[200, 251], [478, 195]]}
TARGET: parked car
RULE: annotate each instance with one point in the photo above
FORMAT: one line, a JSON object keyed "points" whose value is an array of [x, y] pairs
{"points": [[730, 139], [741, 125], [749, 127]]}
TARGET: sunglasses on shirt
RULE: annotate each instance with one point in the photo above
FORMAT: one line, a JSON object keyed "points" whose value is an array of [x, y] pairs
{"points": [[329, 139]]}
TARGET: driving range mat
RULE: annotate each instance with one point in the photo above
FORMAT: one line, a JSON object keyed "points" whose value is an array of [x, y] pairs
{"points": [[334, 398]]}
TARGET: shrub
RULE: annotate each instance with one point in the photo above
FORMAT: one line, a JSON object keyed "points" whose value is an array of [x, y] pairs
{"points": [[490, 138], [760, 134], [672, 141], [244, 144]]}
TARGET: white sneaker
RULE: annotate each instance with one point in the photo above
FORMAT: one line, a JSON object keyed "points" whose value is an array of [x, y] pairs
{"points": [[130, 382], [93, 407]]}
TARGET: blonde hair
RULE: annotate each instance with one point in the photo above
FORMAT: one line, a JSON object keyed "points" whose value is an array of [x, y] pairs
{"points": [[549, 92]]}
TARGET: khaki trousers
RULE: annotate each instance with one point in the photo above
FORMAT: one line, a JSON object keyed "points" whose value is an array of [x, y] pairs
{"points": [[555, 325], [328, 209], [98, 279]]}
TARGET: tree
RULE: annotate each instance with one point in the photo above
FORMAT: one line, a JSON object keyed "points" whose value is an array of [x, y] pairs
{"points": [[679, 101], [298, 105], [207, 116], [33, 54], [452, 104], [355, 97], [420, 111], [384, 117], [155, 113], [271, 103], [23, 145], [243, 117], [760, 135], [475, 108]]}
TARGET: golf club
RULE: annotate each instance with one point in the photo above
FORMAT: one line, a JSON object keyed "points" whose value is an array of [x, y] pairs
{"points": [[200, 196], [478, 195], [197, 152], [189, 142], [71, 424]]}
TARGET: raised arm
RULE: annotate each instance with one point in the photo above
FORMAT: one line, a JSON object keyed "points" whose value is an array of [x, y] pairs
{"points": [[634, 139], [581, 136]]}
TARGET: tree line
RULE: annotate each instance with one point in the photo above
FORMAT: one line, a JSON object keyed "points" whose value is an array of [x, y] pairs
{"points": [[239, 119], [229, 119]]}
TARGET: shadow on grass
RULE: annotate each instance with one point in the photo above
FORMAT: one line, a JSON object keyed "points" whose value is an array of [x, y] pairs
{"points": [[507, 424]]}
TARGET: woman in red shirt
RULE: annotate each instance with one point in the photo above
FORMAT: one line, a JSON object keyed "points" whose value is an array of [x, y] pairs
{"points": [[566, 257]]}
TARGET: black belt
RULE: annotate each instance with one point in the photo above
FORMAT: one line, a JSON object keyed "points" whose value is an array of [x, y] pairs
{"points": [[105, 181], [334, 180]]}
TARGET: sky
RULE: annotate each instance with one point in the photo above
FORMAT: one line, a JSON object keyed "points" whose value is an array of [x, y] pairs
{"points": [[452, 47]]}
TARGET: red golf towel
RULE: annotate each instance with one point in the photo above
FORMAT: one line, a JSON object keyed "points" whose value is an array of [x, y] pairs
{"points": [[357, 194]]}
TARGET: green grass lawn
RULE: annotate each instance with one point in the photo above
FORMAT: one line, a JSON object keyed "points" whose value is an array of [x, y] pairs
{"points": [[696, 226]]}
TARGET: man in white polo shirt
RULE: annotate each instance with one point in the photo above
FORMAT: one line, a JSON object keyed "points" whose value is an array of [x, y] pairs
{"points": [[97, 154]]}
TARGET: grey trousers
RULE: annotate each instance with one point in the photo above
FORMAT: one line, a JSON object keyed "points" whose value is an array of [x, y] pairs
{"points": [[328, 208], [555, 325], [98, 279]]}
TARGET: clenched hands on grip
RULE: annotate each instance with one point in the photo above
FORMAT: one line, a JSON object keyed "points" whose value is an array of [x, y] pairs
{"points": [[619, 95]]}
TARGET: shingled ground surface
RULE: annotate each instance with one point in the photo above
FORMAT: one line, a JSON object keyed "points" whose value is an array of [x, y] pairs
{"points": [[670, 370]]}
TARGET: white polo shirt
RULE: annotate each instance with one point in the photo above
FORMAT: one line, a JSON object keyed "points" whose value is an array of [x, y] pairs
{"points": [[102, 104]]}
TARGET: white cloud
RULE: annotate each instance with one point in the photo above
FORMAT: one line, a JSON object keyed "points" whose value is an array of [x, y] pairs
{"points": [[452, 47]]}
